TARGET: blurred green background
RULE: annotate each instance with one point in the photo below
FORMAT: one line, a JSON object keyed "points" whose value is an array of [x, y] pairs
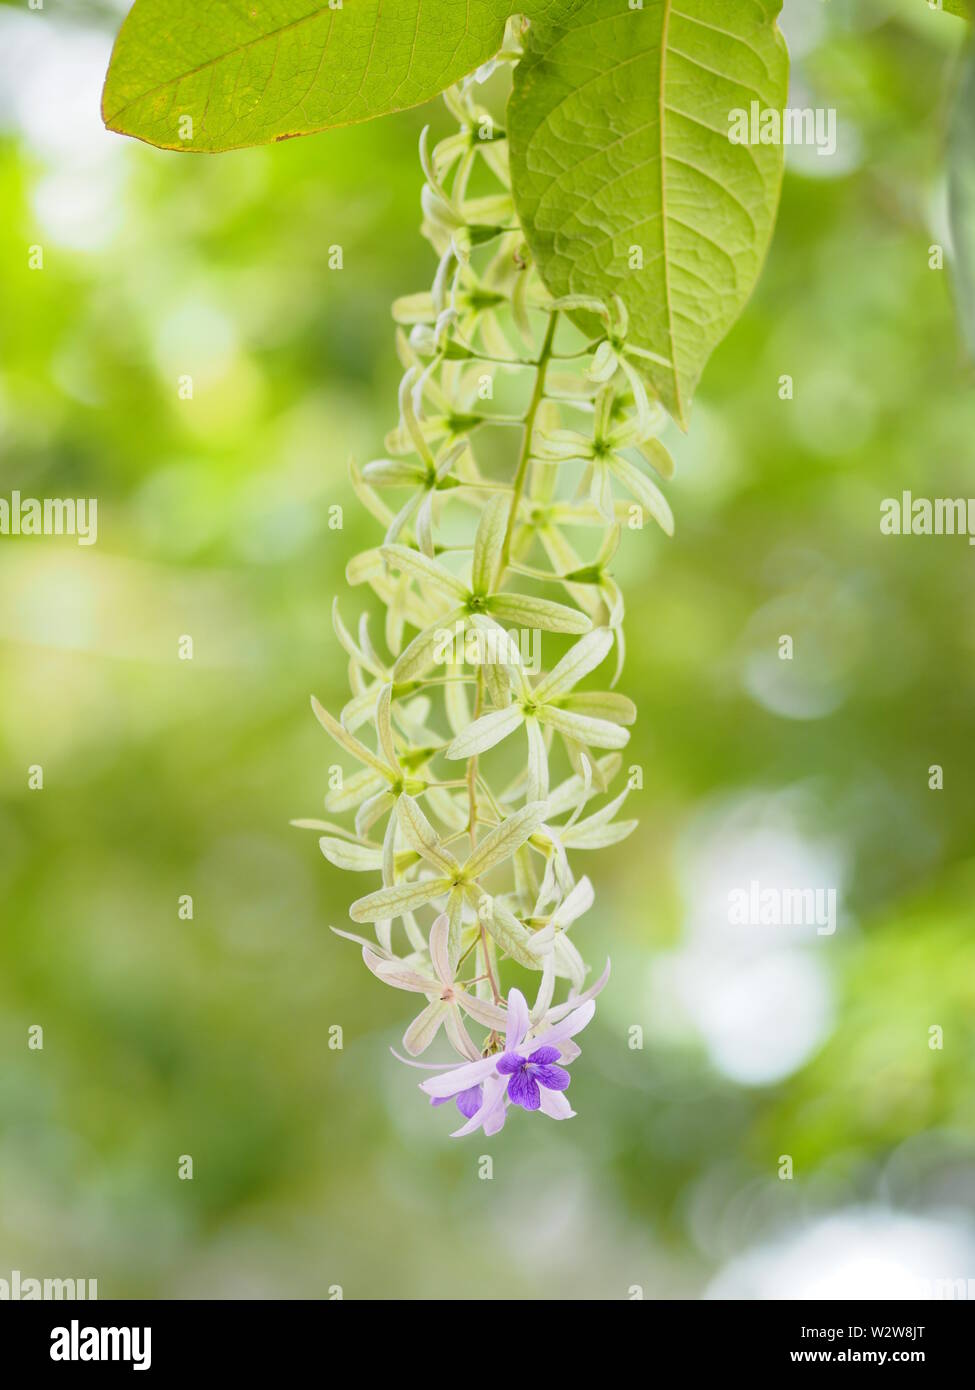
{"points": [[164, 1037]]}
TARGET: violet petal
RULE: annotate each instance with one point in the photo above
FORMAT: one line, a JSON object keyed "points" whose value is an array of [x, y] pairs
{"points": [[509, 1062], [469, 1101], [523, 1091], [555, 1078]]}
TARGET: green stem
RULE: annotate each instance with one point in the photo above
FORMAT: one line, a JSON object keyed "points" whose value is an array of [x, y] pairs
{"points": [[476, 356], [529, 571], [487, 965], [449, 680], [544, 358], [472, 770], [481, 487], [586, 351]]}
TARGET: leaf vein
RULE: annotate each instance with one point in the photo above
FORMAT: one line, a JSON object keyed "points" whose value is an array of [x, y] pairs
{"points": [[727, 33]]}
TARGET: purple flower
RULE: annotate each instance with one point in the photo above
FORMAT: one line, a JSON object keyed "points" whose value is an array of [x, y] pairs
{"points": [[526, 1074], [469, 1102], [513, 1078]]}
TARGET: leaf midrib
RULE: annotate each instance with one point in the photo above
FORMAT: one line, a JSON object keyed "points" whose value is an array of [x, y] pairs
{"points": [[242, 47], [222, 57], [671, 342]]}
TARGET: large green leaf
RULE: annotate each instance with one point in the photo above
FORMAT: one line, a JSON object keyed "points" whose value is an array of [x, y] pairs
{"points": [[965, 9], [250, 71], [619, 133]]}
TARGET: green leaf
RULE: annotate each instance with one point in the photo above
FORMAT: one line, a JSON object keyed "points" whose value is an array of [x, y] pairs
{"points": [[964, 9], [618, 126], [248, 73]]}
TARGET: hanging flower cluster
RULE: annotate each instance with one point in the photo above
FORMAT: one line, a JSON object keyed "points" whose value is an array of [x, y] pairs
{"points": [[522, 419]]}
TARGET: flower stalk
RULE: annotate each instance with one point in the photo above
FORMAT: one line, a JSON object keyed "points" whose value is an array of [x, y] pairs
{"points": [[493, 623]]}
